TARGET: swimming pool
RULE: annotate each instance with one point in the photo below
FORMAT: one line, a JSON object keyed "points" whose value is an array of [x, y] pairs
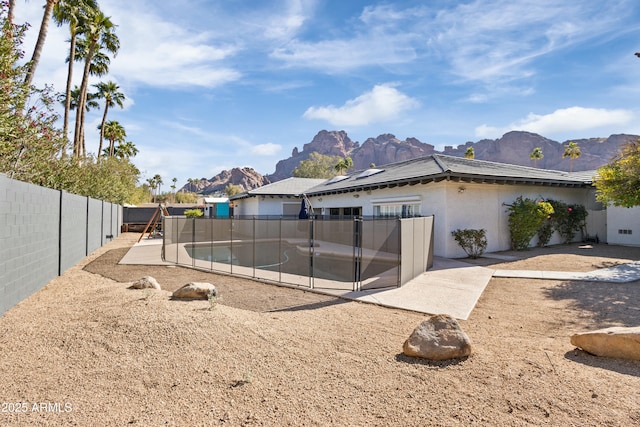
{"points": [[291, 259]]}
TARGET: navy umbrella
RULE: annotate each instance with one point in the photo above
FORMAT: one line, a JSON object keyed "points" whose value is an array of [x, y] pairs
{"points": [[304, 212]]}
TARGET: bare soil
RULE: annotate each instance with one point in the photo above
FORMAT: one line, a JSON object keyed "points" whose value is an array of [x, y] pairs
{"points": [[86, 350]]}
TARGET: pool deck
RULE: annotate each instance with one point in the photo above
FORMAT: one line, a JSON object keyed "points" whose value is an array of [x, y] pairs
{"points": [[450, 287]]}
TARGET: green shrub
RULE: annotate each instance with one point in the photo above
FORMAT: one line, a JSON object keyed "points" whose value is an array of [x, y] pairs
{"points": [[193, 213], [474, 242], [566, 219], [526, 216], [545, 232]]}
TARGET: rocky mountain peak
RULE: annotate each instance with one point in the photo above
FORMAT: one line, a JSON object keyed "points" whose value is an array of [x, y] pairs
{"points": [[246, 177], [513, 147]]}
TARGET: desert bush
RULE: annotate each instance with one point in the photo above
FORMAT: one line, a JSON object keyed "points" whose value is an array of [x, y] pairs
{"points": [[473, 242], [193, 213]]}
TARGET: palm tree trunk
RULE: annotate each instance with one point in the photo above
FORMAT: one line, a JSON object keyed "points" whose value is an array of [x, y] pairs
{"points": [[42, 35], [10, 13], [78, 139], [67, 100], [104, 119]]}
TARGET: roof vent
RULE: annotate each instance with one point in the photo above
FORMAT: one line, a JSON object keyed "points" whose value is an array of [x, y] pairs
{"points": [[369, 172]]}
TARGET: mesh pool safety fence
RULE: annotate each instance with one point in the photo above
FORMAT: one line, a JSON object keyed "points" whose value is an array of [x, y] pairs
{"points": [[352, 254]]}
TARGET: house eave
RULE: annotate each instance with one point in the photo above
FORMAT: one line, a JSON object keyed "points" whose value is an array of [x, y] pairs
{"points": [[454, 177]]}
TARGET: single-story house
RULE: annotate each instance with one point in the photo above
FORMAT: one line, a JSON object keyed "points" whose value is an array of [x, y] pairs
{"points": [[460, 193], [279, 199]]}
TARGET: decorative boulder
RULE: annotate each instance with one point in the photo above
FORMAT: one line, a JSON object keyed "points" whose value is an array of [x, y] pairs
{"points": [[438, 338], [147, 282], [196, 290], [617, 342]]}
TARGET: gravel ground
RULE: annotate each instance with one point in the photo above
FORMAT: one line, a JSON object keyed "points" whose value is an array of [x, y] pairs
{"points": [[85, 350]]}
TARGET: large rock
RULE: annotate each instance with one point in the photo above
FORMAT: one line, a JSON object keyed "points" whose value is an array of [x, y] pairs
{"points": [[618, 342], [438, 338], [146, 282], [196, 290]]}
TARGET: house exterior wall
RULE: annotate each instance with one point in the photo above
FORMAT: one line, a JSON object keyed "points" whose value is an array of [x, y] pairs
{"points": [[477, 206], [623, 226], [267, 206]]}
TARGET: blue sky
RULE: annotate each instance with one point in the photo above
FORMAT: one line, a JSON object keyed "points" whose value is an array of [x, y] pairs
{"points": [[215, 84]]}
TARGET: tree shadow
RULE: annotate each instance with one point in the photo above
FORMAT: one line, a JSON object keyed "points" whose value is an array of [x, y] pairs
{"points": [[621, 366], [610, 304]]}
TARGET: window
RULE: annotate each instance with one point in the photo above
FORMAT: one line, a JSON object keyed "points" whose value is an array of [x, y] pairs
{"points": [[344, 213], [397, 210]]}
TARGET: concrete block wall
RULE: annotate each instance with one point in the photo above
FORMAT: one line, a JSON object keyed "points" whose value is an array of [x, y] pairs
{"points": [[72, 238], [29, 250], [43, 232], [94, 225]]}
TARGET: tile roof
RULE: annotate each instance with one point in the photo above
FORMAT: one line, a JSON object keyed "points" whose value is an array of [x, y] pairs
{"points": [[438, 167]]}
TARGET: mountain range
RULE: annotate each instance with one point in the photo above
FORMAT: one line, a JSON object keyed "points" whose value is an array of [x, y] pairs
{"points": [[513, 147]]}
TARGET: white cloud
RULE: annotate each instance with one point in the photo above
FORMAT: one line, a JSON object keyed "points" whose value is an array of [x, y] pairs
{"points": [[382, 103], [268, 149], [161, 53], [570, 119], [285, 24], [498, 40], [342, 55]]}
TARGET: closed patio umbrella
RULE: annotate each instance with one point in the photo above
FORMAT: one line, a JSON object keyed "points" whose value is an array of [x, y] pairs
{"points": [[304, 212]]}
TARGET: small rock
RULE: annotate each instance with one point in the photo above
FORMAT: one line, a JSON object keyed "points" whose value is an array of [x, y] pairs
{"points": [[196, 290], [147, 282], [438, 338], [617, 342]]}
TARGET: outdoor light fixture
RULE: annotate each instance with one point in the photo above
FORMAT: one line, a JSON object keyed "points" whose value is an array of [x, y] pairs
{"points": [[461, 190]]}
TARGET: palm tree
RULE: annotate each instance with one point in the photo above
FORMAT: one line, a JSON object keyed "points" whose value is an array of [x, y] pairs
{"points": [[108, 91], [470, 153], [114, 132], [72, 12], [42, 35], [572, 151], [158, 180], [192, 183], [536, 155], [173, 188], [152, 187], [99, 36], [343, 164], [124, 150]]}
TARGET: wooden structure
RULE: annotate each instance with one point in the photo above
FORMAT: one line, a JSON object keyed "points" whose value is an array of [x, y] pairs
{"points": [[153, 222]]}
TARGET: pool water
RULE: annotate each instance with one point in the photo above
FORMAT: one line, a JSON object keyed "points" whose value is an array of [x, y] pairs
{"points": [[275, 256]]}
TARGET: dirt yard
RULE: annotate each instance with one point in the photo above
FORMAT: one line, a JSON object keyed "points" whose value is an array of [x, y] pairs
{"points": [[85, 350]]}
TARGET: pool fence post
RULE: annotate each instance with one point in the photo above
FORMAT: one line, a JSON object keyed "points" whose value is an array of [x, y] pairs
{"points": [[280, 250]]}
